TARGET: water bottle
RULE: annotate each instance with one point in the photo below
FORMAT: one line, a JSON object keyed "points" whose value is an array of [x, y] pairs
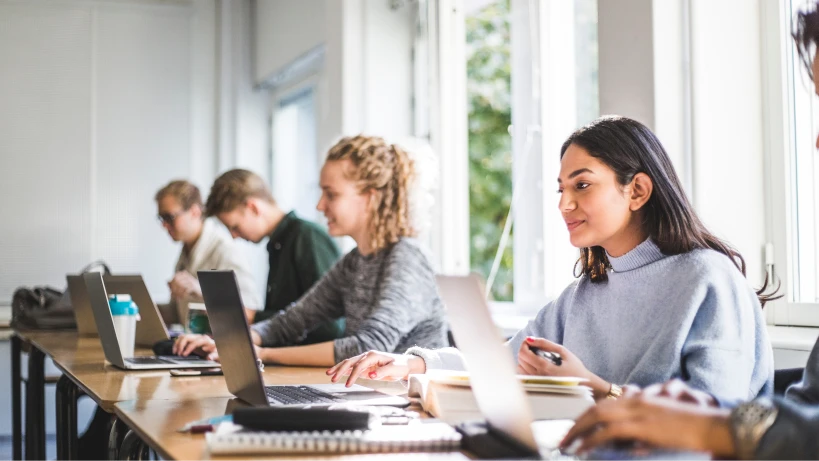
{"points": [[126, 314]]}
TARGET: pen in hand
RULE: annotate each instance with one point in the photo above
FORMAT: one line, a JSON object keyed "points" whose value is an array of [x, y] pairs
{"points": [[553, 357]]}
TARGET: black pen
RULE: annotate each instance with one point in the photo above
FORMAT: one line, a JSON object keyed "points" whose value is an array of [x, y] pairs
{"points": [[553, 357]]}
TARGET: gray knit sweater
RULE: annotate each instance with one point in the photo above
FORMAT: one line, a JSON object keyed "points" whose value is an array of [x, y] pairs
{"points": [[389, 299]]}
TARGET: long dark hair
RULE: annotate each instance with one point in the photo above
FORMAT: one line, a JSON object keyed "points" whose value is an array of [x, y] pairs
{"points": [[805, 33], [628, 147]]}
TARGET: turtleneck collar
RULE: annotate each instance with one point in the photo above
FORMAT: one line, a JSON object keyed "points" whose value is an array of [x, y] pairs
{"points": [[642, 255]]}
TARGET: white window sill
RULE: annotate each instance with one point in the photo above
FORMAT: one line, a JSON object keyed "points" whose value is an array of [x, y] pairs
{"points": [[790, 338], [5, 315], [793, 338]]}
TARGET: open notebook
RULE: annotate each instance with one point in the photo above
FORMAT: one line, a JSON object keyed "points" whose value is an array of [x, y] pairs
{"points": [[231, 439]]}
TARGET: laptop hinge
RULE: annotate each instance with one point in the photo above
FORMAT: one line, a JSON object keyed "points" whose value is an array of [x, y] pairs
{"points": [[480, 439]]}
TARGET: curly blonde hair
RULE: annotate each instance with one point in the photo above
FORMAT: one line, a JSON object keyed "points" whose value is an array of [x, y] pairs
{"points": [[387, 170]]}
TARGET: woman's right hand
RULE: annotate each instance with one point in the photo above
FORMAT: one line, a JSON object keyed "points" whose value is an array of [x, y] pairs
{"points": [[656, 421], [377, 365], [186, 344]]}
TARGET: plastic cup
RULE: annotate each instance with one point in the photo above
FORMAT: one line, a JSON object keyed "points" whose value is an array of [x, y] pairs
{"points": [[125, 314]]}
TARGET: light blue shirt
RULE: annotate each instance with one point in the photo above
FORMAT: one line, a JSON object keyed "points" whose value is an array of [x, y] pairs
{"points": [[691, 316]]}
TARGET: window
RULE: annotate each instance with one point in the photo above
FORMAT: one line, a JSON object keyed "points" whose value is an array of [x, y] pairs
{"points": [[489, 97], [522, 103], [793, 174], [508, 81], [804, 170], [295, 159]]}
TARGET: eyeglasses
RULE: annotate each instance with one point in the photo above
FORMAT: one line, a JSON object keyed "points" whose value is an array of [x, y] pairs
{"points": [[168, 218]]}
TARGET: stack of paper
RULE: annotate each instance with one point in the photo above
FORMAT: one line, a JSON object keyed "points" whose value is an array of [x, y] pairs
{"points": [[447, 395]]}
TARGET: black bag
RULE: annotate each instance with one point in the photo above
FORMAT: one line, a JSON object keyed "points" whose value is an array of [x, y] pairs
{"points": [[45, 308]]}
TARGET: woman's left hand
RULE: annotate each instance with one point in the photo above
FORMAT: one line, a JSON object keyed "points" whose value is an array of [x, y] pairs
{"points": [[530, 363]]}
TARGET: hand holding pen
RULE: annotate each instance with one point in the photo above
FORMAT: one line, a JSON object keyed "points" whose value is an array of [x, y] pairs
{"points": [[541, 357], [553, 357]]}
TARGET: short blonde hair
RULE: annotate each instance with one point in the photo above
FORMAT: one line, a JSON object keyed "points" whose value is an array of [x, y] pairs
{"points": [[387, 170], [185, 192], [233, 188]]}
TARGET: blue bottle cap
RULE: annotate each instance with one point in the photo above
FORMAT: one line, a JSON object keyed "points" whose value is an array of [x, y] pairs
{"points": [[122, 305]]}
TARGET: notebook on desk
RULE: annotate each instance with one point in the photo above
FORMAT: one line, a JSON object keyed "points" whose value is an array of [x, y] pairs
{"points": [[230, 439]]}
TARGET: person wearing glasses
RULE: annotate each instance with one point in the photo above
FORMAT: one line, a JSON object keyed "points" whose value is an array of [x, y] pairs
{"points": [[180, 211]]}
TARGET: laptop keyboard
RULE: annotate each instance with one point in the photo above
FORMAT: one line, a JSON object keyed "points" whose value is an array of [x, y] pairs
{"points": [[162, 360], [290, 395], [145, 360]]}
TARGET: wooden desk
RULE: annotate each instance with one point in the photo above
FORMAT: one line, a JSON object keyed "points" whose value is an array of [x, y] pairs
{"points": [[156, 422], [82, 362], [152, 403], [81, 359]]}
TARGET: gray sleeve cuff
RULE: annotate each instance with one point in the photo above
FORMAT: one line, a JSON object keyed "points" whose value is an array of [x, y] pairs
{"points": [[430, 357], [792, 435], [261, 329]]}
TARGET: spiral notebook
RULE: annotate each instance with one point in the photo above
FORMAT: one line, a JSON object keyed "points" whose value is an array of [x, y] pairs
{"points": [[231, 439]]}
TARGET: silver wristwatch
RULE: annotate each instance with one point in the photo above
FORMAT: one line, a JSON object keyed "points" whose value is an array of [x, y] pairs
{"points": [[749, 422]]}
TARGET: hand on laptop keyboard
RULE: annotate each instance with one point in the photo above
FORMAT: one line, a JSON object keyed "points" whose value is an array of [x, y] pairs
{"points": [[189, 344], [377, 365]]}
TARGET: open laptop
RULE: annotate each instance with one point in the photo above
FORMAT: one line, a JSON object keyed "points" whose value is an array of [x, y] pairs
{"points": [[98, 298], [241, 367], [491, 367], [489, 363], [86, 326], [150, 329]]}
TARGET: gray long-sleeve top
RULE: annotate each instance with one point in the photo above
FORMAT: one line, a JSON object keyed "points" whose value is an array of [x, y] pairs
{"points": [[794, 433], [389, 299]]}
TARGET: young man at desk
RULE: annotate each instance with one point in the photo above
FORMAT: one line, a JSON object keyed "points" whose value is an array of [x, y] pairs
{"points": [[180, 211], [300, 252], [204, 246]]}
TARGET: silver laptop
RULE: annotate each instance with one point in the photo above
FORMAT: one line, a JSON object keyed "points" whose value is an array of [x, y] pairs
{"points": [[98, 298], [150, 329], [491, 367], [86, 326], [488, 361], [241, 367]]}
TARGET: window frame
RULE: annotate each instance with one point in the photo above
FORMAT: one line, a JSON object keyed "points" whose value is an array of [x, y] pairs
{"points": [[279, 97], [782, 77], [540, 125]]}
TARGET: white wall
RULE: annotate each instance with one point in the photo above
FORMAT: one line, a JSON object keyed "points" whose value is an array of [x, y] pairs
{"points": [[727, 125], [243, 130], [626, 65], [364, 84], [387, 78], [285, 30], [103, 102], [96, 95]]}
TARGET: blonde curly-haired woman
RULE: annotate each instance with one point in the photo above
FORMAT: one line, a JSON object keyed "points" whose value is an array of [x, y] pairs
{"points": [[385, 287]]}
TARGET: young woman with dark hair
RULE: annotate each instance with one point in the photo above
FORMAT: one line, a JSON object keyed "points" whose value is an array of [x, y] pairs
{"points": [[658, 296], [667, 416]]}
